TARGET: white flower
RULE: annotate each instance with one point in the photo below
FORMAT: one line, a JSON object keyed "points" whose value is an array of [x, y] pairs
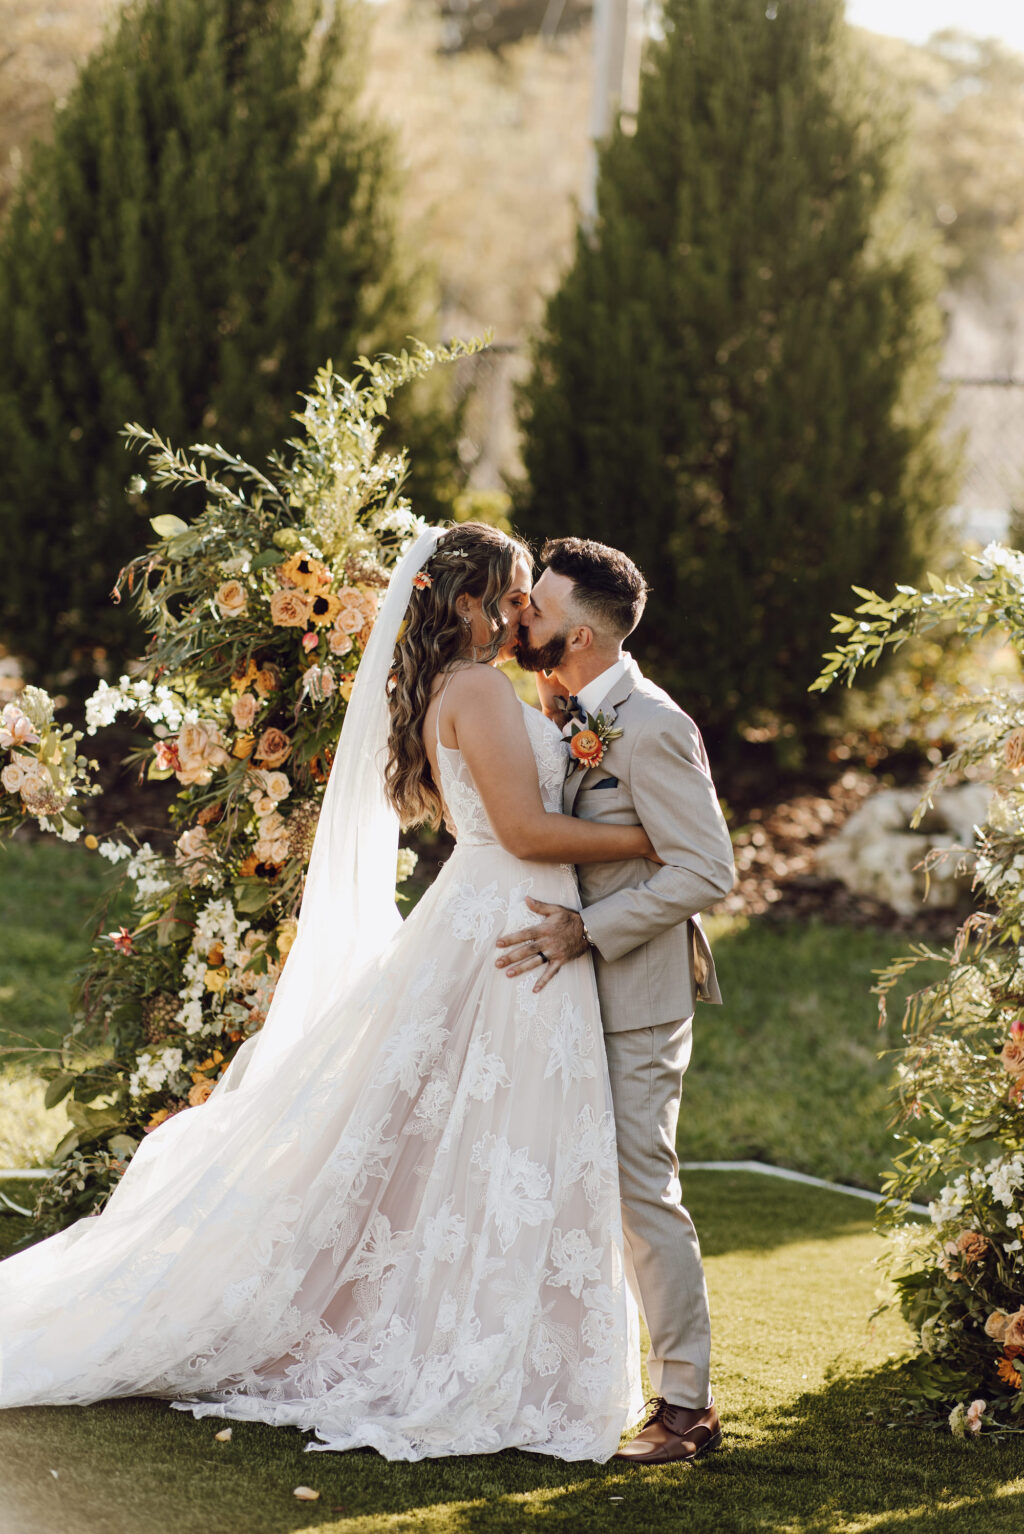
{"points": [[587, 1153], [571, 1046], [517, 1188], [577, 1261], [1012, 1246], [114, 852]]}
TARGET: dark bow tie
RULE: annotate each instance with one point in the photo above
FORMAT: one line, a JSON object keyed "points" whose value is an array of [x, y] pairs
{"points": [[575, 709]]}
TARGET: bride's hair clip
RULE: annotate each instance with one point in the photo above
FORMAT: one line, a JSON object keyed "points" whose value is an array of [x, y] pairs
{"points": [[422, 581]]}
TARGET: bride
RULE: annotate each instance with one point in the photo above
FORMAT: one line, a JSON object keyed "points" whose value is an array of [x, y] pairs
{"points": [[395, 1222]]}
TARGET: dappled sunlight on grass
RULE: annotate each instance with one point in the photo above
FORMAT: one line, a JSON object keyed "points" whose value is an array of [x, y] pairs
{"points": [[807, 1387]]}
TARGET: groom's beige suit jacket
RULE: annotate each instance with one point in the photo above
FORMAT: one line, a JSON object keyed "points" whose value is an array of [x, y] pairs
{"points": [[653, 960]]}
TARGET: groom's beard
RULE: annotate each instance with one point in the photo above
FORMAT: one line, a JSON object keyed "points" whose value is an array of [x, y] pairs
{"points": [[545, 657]]}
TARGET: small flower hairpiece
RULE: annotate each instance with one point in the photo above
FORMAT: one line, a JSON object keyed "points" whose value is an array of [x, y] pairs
{"points": [[422, 581]]}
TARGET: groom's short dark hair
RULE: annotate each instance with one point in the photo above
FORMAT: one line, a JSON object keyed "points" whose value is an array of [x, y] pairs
{"points": [[609, 587]]}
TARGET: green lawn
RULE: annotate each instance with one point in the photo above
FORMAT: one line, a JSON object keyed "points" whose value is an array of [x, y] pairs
{"points": [[787, 1071], [807, 1388]]}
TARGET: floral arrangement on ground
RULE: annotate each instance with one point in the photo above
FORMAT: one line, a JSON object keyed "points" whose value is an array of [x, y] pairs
{"points": [[959, 1279], [259, 611]]}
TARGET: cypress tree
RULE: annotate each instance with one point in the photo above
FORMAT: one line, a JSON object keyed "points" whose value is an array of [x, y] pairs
{"points": [[736, 381], [212, 220]]}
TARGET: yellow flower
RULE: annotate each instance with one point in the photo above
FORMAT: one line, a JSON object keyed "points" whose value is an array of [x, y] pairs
{"points": [[216, 980], [200, 1092], [304, 571]]}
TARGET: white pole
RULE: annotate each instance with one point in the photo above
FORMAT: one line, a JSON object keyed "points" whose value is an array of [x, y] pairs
{"points": [[618, 40]]}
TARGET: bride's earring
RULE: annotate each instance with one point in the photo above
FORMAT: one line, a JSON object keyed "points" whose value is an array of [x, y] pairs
{"points": [[464, 620]]}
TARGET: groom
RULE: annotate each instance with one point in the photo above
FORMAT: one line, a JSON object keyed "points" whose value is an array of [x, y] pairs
{"points": [[651, 956]]}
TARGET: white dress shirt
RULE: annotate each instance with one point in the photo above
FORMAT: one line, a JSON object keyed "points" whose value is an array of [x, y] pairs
{"points": [[593, 695]]}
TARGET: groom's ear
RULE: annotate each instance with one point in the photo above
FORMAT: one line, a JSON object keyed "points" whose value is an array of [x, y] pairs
{"points": [[581, 638]]}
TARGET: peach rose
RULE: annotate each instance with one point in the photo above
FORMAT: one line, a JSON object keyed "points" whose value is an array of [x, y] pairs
{"points": [[277, 784], [268, 679], [972, 1245], [368, 606], [350, 620], [230, 599], [290, 609], [16, 728], [273, 747], [586, 748], [243, 710], [995, 1326], [1013, 1337], [1012, 1057], [191, 853], [350, 596], [14, 774], [338, 642], [200, 750], [199, 1093]]}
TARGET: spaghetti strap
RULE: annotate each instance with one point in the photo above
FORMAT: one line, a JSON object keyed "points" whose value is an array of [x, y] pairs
{"points": [[440, 705]]}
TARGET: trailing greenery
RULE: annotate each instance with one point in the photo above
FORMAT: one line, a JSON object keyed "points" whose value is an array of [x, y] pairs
{"points": [[737, 379], [960, 1096], [211, 219], [258, 613]]}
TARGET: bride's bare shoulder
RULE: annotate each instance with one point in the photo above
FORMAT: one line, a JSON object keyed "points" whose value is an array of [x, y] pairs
{"points": [[481, 686]]}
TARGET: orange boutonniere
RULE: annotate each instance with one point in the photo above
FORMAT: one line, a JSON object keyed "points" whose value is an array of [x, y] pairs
{"points": [[588, 742]]}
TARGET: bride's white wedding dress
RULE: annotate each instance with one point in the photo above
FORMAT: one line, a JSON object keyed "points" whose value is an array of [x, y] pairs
{"points": [[406, 1235]]}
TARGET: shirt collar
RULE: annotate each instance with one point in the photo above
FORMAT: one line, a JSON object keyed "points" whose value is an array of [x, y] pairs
{"points": [[594, 693]]}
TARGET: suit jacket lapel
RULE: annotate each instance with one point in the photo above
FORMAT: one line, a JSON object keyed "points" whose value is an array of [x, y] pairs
{"points": [[614, 699]]}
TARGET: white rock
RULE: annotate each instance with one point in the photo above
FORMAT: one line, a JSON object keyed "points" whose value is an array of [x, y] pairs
{"points": [[878, 854]]}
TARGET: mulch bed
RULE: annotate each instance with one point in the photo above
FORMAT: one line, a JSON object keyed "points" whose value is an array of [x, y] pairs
{"points": [[775, 847]]}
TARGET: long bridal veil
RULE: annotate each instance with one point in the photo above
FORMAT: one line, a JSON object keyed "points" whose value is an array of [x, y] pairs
{"points": [[348, 913]]}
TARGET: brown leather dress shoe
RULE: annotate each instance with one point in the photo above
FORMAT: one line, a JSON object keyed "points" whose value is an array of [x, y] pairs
{"points": [[673, 1434]]}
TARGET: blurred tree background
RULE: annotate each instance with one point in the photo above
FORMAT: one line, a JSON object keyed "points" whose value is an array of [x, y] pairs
{"points": [[213, 217], [740, 367], [484, 111]]}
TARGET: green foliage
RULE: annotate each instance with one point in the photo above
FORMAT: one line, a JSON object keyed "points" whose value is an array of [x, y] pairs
{"points": [[736, 381], [960, 1095], [211, 219], [258, 612]]}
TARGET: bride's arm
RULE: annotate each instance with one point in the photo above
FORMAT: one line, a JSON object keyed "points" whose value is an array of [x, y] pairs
{"points": [[490, 732]]}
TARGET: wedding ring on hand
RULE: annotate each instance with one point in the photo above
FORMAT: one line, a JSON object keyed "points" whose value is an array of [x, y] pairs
{"points": [[543, 957]]}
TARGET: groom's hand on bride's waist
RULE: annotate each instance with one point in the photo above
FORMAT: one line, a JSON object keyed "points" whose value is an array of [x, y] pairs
{"points": [[556, 940]]}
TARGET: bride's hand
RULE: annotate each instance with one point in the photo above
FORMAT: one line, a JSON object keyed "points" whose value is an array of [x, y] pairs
{"points": [[553, 700]]}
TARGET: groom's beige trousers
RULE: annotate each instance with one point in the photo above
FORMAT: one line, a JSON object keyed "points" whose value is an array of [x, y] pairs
{"points": [[663, 1262]]}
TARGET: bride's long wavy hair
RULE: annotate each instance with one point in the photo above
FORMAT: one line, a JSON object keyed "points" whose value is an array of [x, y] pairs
{"points": [[471, 558]]}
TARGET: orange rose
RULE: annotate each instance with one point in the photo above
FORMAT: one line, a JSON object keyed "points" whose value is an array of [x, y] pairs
{"points": [[290, 609], [273, 747], [199, 1093], [586, 748]]}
